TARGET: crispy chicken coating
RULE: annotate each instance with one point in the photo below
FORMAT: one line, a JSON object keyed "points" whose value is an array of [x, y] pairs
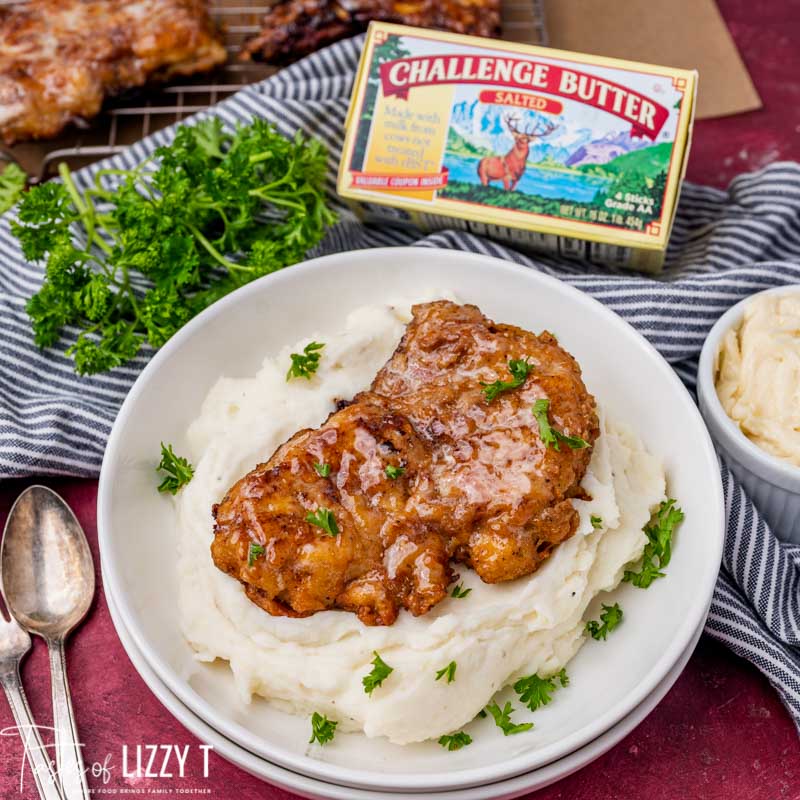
{"points": [[60, 58], [294, 28], [422, 470]]}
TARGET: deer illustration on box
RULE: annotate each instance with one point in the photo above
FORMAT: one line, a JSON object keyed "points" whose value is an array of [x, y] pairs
{"points": [[511, 167]]}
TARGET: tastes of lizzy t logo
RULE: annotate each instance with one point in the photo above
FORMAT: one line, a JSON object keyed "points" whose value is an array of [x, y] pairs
{"points": [[647, 117], [149, 767]]}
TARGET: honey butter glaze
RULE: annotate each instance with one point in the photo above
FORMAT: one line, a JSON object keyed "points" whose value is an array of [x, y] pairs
{"points": [[423, 468], [481, 485]]}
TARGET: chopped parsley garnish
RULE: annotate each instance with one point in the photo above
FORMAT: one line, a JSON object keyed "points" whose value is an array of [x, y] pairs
{"points": [[535, 692], [380, 672], [519, 370], [323, 470], [322, 729], [393, 472], [455, 741], [597, 522], [253, 552], [610, 618], [449, 671], [178, 470], [550, 435], [305, 364], [323, 518], [502, 718], [659, 545], [459, 591]]}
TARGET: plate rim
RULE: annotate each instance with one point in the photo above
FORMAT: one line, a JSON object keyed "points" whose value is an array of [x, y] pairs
{"points": [[327, 771]]}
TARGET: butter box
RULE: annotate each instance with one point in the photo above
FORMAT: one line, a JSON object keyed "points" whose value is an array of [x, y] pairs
{"points": [[551, 151]]}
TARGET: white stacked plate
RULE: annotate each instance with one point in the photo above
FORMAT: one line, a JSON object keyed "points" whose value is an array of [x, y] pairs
{"points": [[614, 684]]}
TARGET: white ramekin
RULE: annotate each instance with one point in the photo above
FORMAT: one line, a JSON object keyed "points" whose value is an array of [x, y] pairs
{"points": [[772, 484]]}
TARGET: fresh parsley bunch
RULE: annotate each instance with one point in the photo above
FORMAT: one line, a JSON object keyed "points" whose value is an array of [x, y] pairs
{"points": [[208, 213]]}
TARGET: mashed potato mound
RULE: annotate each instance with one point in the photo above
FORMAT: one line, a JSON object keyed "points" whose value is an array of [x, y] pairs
{"points": [[496, 634]]}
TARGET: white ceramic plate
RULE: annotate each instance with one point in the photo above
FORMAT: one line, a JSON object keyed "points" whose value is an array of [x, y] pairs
{"points": [[136, 524], [309, 787]]}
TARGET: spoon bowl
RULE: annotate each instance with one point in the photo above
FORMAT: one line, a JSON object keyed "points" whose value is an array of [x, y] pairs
{"points": [[48, 575], [48, 585]]}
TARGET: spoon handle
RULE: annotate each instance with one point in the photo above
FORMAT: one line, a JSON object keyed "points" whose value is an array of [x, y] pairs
{"points": [[38, 760], [68, 748]]}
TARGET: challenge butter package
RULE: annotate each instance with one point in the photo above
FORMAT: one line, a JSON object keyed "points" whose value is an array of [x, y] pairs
{"points": [[549, 150]]}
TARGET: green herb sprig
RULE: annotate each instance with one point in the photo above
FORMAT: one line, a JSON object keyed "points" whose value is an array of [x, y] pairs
{"points": [[519, 370], [322, 729], [178, 471], [535, 692], [550, 435], [393, 472], [455, 741], [323, 518], [658, 550], [380, 672], [610, 618], [254, 550], [12, 184], [459, 591], [502, 718], [305, 364], [133, 257], [448, 672], [323, 470]]}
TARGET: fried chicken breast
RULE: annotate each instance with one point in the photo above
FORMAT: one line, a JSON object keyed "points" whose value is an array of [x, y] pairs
{"points": [[417, 472], [294, 28], [60, 58]]}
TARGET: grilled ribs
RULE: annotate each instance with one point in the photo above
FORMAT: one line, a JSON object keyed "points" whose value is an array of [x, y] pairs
{"points": [[294, 28], [60, 58], [423, 470]]}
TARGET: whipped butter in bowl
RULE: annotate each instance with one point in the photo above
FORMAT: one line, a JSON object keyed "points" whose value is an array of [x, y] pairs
{"points": [[749, 392]]}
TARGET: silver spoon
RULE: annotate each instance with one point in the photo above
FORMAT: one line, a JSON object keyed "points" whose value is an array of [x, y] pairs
{"points": [[14, 644], [48, 585]]}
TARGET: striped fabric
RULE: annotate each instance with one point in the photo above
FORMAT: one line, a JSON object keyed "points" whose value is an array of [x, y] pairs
{"points": [[725, 246]]}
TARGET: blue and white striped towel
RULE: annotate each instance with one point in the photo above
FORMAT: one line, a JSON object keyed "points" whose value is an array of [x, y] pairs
{"points": [[725, 245]]}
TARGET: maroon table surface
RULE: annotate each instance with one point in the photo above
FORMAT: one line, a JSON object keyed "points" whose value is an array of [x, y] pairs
{"points": [[721, 731]]}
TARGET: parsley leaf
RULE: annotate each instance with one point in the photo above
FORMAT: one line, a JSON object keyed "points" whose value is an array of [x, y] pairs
{"points": [[178, 470], [380, 672], [459, 591], [449, 671], [134, 256], [534, 691], [610, 617], [393, 472], [322, 729], [659, 533], [323, 518], [502, 718], [597, 522], [323, 470], [12, 184], [519, 370], [305, 364], [253, 552], [550, 435], [455, 741]]}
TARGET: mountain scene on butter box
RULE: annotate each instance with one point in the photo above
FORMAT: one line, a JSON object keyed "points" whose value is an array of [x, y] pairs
{"points": [[569, 169]]}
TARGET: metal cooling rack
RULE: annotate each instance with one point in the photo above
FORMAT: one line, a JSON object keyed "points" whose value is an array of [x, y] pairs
{"points": [[132, 116]]}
